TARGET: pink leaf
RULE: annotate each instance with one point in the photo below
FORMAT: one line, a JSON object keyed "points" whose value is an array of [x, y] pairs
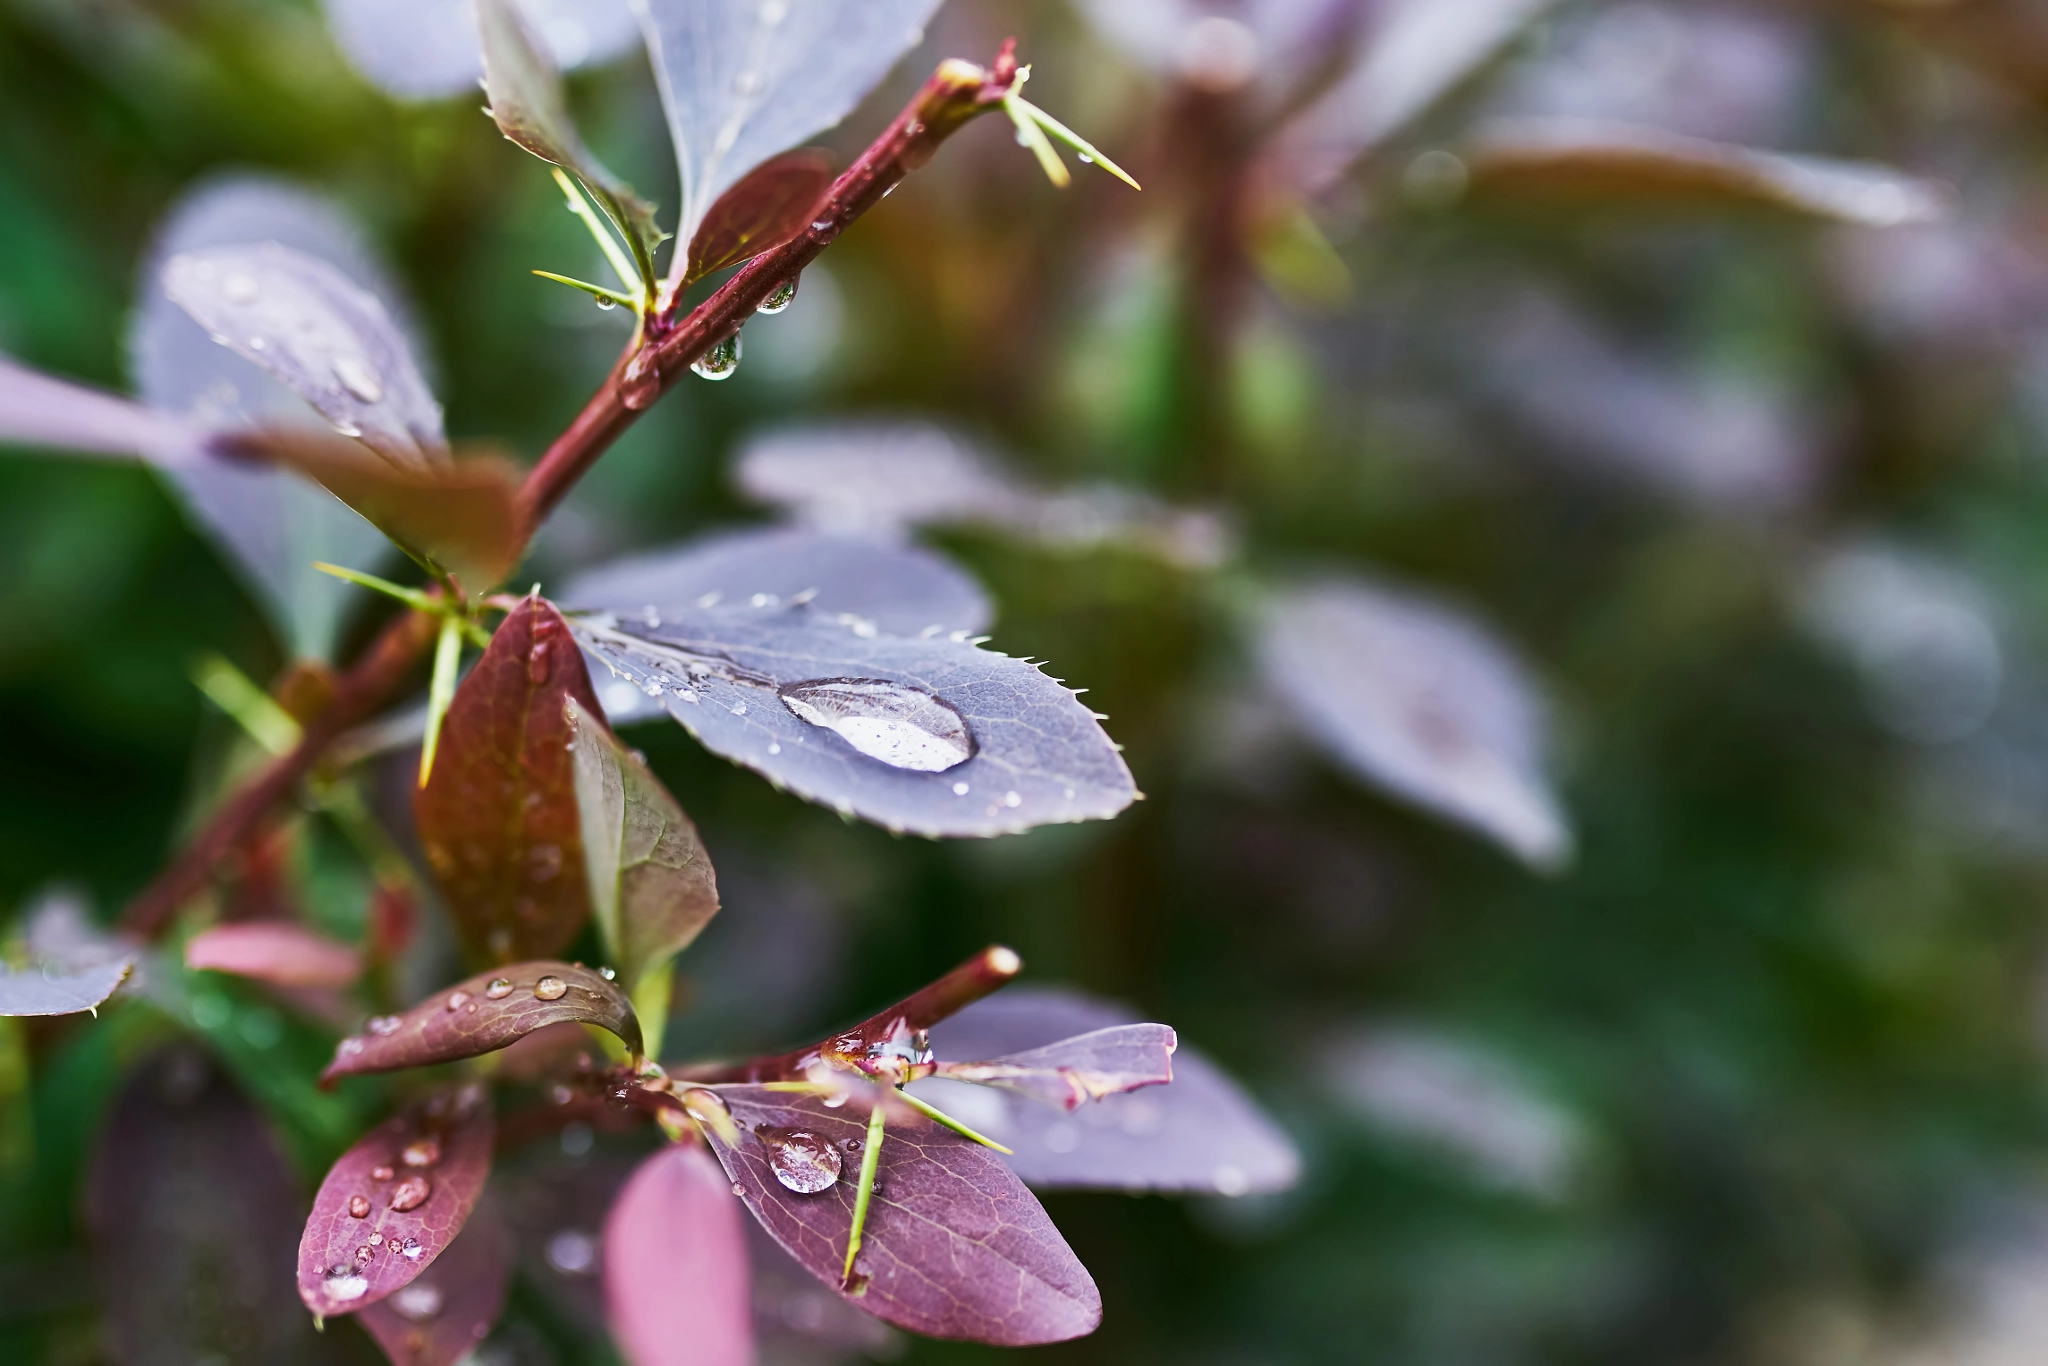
{"points": [[391, 1203], [675, 1265], [275, 951], [449, 1308]]}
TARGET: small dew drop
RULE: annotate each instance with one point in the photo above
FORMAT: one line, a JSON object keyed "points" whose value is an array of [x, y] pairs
{"points": [[412, 1251], [606, 304], [359, 1207], [779, 298], [344, 1283], [834, 1101], [376, 1240], [720, 362], [801, 1161], [359, 378], [381, 1173], [410, 1194], [382, 1025], [348, 429], [421, 1152], [573, 1253], [365, 1255], [901, 726], [258, 344], [499, 989], [1086, 160], [739, 1190], [774, 747], [550, 988], [1013, 799], [239, 288], [961, 789], [457, 1000]]}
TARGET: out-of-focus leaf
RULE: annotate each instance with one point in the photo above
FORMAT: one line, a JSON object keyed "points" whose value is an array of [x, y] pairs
{"points": [[331, 342], [1421, 701], [879, 479], [427, 49], [954, 1245], [483, 1014], [34, 991], [191, 1208], [933, 737], [898, 590], [1219, 46], [498, 817], [1200, 1133], [1571, 157], [773, 204], [742, 82], [1072, 1072], [394, 1201], [651, 884], [528, 104], [280, 952], [441, 1316], [273, 524], [42, 410], [675, 1265]]}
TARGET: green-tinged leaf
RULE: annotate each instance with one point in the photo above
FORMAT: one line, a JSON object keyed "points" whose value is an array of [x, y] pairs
{"points": [[440, 691], [489, 1011], [1032, 136], [1089, 152], [598, 292], [528, 105], [773, 204], [651, 884], [498, 817]]}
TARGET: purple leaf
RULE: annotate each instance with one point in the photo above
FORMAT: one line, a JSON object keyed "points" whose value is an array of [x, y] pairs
{"points": [[42, 410], [932, 737], [675, 1265], [272, 523], [1201, 1133], [651, 884], [1422, 701], [498, 816], [954, 1247], [191, 1208], [1087, 1067], [38, 991], [799, 1322], [280, 952], [427, 49], [328, 340], [742, 82], [484, 1014], [441, 1316], [392, 1202], [773, 204]]}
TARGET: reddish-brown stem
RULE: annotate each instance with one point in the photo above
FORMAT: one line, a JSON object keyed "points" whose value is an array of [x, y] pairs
{"points": [[955, 94]]}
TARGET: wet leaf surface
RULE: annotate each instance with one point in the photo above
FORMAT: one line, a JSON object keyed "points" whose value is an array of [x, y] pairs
{"points": [[276, 951], [773, 204], [394, 1201], [1087, 1067], [191, 1207], [651, 883], [1421, 701], [331, 342], [530, 108], [37, 991], [1202, 1133], [272, 523], [931, 736], [441, 1316], [427, 49], [954, 1247], [741, 83], [498, 817], [675, 1265], [485, 1013], [1606, 160]]}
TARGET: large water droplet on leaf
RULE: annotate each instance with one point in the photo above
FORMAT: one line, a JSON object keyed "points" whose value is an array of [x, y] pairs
{"points": [[801, 1160], [902, 726], [720, 361], [550, 988], [499, 989], [411, 1193], [345, 1283], [781, 297]]}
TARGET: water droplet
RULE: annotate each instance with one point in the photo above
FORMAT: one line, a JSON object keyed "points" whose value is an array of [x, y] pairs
{"points": [[901, 726], [607, 305], [411, 1193], [457, 1000], [801, 1161], [421, 1152], [376, 1240], [349, 1047], [258, 344], [774, 747], [571, 1252], [961, 789], [1013, 799], [609, 974], [239, 288], [739, 1190], [853, 1145], [834, 1101], [1086, 160], [418, 1301], [381, 1173], [550, 989], [499, 989], [359, 1207], [779, 298], [365, 1255], [412, 1251], [348, 429], [720, 361], [384, 1024], [344, 1283], [359, 377]]}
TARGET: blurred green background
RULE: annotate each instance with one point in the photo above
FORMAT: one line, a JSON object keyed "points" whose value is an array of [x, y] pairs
{"points": [[1757, 1078]]}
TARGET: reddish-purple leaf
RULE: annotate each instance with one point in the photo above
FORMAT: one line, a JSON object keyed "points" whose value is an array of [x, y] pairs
{"points": [[392, 1202], [801, 1323], [955, 1246], [675, 1265], [191, 1208], [280, 952], [1201, 1133], [499, 819], [772, 205], [485, 1013], [1072, 1072], [449, 1308]]}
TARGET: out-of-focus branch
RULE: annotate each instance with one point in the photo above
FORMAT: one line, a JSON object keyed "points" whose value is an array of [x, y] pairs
{"points": [[955, 94]]}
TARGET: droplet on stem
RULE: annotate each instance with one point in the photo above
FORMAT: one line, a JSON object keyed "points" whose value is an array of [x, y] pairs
{"points": [[779, 298], [720, 361]]}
